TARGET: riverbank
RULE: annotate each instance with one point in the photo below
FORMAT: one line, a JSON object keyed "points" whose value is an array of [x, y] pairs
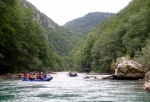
{"points": [[97, 73], [8, 76]]}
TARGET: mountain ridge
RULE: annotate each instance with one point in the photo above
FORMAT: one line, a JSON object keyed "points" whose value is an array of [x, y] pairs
{"points": [[85, 24]]}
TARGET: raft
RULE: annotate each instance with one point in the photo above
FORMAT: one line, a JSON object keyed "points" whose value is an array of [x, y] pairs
{"points": [[45, 79], [73, 74]]}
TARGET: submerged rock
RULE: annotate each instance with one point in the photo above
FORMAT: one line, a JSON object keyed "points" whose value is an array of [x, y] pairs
{"points": [[90, 77], [146, 86], [108, 77], [128, 69], [1, 79]]}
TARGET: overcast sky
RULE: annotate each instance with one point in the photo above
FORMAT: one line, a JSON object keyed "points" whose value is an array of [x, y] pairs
{"points": [[62, 11]]}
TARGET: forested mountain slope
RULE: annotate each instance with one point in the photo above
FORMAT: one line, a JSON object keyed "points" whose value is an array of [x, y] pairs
{"points": [[29, 40], [23, 43], [127, 33], [85, 24], [60, 39]]}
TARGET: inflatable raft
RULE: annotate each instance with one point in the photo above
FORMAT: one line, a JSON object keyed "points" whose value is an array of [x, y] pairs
{"points": [[73, 74], [45, 79]]}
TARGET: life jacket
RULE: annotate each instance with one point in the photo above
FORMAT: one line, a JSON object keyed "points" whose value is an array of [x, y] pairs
{"points": [[26, 75], [34, 75], [30, 76], [41, 76]]}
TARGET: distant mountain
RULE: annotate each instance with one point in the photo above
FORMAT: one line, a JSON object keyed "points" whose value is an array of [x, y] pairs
{"points": [[86, 23], [60, 39]]}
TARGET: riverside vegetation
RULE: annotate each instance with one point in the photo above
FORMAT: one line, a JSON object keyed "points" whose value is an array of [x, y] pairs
{"points": [[29, 40], [126, 33]]}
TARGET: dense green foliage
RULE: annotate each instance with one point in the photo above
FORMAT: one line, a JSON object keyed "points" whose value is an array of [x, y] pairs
{"points": [[126, 33], [60, 39], [26, 44], [85, 24], [23, 43]]}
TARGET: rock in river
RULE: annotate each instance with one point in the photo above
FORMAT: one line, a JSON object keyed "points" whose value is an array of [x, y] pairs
{"points": [[146, 86], [128, 69], [147, 76]]}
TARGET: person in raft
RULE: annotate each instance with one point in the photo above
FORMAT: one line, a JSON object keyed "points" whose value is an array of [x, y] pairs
{"points": [[26, 75], [31, 76], [75, 73], [34, 76], [40, 76]]}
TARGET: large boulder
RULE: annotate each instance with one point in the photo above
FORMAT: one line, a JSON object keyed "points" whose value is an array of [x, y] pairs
{"points": [[128, 69], [147, 76]]}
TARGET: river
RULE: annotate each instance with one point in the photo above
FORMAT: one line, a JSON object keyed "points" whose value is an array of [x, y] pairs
{"points": [[63, 88]]}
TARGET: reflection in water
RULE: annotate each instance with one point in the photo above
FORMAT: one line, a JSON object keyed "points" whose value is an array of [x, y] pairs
{"points": [[73, 89]]}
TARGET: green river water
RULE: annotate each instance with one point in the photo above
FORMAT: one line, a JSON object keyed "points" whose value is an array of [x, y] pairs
{"points": [[63, 88]]}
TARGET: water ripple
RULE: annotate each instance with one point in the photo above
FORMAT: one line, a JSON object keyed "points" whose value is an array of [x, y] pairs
{"points": [[73, 89]]}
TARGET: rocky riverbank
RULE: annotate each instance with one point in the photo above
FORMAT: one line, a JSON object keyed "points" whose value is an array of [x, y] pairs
{"points": [[9, 76]]}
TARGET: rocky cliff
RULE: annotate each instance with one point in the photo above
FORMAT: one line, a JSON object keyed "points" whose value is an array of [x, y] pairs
{"points": [[60, 39]]}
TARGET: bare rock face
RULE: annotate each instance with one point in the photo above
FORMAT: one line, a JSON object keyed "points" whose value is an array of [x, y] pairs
{"points": [[128, 69]]}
